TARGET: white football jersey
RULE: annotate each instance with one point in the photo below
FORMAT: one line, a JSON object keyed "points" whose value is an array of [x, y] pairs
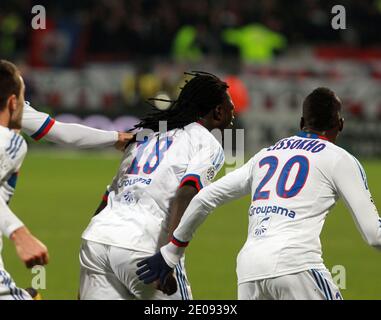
{"points": [[35, 123], [136, 216], [12, 153], [293, 185]]}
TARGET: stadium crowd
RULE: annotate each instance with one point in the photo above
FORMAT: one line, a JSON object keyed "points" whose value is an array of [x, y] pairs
{"points": [[148, 27]]}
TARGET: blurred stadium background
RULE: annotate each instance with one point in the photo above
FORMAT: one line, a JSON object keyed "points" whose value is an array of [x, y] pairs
{"points": [[97, 62]]}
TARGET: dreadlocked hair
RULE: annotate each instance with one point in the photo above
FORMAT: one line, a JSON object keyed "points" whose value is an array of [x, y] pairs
{"points": [[197, 98]]}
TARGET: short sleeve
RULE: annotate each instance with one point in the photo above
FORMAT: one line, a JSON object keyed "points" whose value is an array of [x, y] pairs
{"points": [[204, 165]]}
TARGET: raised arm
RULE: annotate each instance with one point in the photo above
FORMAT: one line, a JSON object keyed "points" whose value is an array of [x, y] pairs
{"points": [[40, 125], [351, 183]]}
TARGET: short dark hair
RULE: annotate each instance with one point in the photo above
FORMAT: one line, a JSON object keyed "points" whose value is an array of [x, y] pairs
{"points": [[320, 109], [9, 81], [197, 98]]}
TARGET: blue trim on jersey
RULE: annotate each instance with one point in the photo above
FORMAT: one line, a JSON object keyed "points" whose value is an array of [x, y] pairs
{"points": [[12, 180], [184, 282], [7, 281], [219, 160], [192, 175], [310, 135], [15, 145], [363, 175], [42, 128], [11, 143], [322, 284], [329, 289], [179, 282], [325, 284], [17, 148]]}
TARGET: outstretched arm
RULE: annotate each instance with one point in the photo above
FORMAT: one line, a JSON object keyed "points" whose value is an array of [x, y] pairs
{"points": [[40, 125], [79, 136]]}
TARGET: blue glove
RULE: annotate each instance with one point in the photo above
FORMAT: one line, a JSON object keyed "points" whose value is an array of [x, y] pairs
{"points": [[153, 268]]}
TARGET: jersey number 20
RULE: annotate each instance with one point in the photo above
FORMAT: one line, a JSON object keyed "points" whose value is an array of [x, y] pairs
{"points": [[281, 189]]}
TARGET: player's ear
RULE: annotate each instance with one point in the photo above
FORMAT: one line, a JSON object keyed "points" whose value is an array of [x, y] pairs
{"points": [[12, 103], [341, 124], [301, 123], [217, 112]]}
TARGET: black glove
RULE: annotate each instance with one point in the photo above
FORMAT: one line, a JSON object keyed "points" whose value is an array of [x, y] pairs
{"points": [[153, 268]]}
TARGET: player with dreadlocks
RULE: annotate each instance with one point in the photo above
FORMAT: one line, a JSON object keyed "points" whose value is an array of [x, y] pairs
{"points": [[157, 178]]}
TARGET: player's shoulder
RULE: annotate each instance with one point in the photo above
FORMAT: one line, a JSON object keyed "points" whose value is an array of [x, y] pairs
{"points": [[28, 109], [200, 136], [8, 136], [257, 156], [340, 153], [30, 113], [345, 158], [12, 146]]}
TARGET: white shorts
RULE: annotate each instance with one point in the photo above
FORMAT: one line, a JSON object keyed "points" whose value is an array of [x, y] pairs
{"points": [[108, 273], [314, 284], [9, 290]]}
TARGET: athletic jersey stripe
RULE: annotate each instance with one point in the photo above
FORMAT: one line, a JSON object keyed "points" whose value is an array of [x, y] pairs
{"points": [[184, 281], [10, 152], [324, 285], [11, 143], [219, 160], [7, 282], [363, 175], [14, 153], [183, 285], [325, 282], [44, 129], [179, 282], [319, 283]]}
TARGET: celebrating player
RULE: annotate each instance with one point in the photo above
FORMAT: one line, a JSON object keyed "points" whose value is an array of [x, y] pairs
{"points": [[12, 152], [293, 184], [157, 179]]}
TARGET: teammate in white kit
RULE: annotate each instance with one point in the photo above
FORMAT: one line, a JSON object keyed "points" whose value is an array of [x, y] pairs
{"points": [[13, 149], [293, 185], [157, 179]]}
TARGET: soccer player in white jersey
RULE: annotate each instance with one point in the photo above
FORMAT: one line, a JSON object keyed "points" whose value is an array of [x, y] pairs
{"points": [[293, 185], [156, 180], [13, 149]]}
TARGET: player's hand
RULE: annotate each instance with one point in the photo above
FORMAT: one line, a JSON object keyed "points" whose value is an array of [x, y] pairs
{"points": [[123, 139], [154, 268], [29, 249], [170, 285]]}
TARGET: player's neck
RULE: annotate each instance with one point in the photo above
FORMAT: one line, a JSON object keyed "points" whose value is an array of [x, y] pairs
{"points": [[204, 123], [326, 135], [5, 118]]}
